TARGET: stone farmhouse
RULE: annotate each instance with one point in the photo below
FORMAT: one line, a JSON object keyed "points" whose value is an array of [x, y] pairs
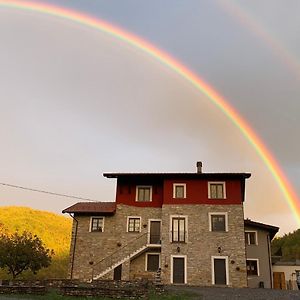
{"points": [[175, 228]]}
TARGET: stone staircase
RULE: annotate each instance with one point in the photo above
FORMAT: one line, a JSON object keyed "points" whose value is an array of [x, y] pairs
{"points": [[125, 253]]}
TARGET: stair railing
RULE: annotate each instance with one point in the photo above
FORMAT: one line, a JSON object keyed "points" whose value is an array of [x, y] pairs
{"points": [[120, 254]]}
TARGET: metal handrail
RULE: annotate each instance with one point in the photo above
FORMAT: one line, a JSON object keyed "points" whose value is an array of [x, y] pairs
{"points": [[121, 249]]}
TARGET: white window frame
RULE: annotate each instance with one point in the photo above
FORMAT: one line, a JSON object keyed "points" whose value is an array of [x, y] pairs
{"points": [[146, 260], [178, 185], [149, 227], [137, 194], [133, 217], [213, 268], [256, 237], [216, 182], [185, 267], [96, 217], [257, 262], [219, 214], [186, 228]]}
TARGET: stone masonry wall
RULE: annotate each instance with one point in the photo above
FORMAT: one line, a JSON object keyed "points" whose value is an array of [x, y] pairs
{"points": [[138, 267], [202, 244], [93, 246]]}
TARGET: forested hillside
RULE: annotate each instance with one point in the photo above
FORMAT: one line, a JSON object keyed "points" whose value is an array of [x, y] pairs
{"points": [[288, 246], [53, 229]]}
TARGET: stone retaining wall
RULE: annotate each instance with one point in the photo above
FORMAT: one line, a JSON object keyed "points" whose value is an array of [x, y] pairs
{"points": [[104, 288]]}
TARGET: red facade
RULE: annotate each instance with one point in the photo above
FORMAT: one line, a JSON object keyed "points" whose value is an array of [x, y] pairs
{"points": [[196, 188]]}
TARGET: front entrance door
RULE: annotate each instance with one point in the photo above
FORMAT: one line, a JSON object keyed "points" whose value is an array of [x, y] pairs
{"points": [[178, 270], [118, 272], [220, 271], [154, 232]]}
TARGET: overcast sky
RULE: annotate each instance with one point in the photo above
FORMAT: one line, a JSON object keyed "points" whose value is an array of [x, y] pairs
{"points": [[76, 102]]}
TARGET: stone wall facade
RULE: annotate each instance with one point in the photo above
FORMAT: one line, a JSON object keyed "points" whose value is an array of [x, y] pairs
{"points": [[202, 244], [91, 247], [200, 247]]}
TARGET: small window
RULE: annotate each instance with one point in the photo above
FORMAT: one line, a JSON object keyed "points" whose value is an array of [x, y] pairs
{"points": [[218, 222], [178, 230], [252, 267], [251, 237], [134, 224], [97, 224], [152, 262], [179, 190], [216, 190], [144, 193]]}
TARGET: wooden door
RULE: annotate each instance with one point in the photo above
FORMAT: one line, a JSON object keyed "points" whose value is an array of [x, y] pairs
{"points": [[154, 232], [118, 272], [220, 271], [178, 270], [279, 280]]}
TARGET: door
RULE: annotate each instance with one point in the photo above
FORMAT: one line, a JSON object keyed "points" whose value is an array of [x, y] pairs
{"points": [[154, 232], [178, 270], [220, 271], [118, 272], [279, 280]]}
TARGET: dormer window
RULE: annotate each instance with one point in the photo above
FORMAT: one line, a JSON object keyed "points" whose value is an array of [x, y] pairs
{"points": [[216, 190], [143, 193], [179, 190], [97, 224]]}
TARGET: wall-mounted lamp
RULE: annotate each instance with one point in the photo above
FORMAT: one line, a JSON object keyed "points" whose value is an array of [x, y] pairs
{"points": [[178, 249], [219, 249]]}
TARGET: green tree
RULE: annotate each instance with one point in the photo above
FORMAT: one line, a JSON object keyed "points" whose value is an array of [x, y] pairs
{"points": [[20, 252]]}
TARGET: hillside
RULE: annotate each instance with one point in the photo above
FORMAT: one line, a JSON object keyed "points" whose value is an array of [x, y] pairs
{"points": [[288, 246], [53, 229]]}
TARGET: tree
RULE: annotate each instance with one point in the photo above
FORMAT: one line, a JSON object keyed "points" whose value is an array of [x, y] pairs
{"points": [[20, 252]]}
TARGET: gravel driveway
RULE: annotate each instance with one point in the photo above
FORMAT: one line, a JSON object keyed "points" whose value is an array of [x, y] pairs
{"points": [[215, 293]]}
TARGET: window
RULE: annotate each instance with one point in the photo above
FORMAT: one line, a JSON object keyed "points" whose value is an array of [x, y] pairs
{"points": [[152, 262], [97, 224], [252, 267], [144, 193], [216, 190], [218, 222], [178, 230], [179, 190], [251, 237], [134, 224]]}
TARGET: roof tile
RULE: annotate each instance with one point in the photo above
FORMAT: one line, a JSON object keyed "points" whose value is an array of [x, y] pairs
{"points": [[91, 207]]}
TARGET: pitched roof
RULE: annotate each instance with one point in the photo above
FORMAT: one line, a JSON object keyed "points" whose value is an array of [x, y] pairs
{"points": [[271, 229], [181, 175], [92, 207]]}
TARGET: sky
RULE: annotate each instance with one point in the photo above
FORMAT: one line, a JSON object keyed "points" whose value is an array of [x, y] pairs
{"points": [[76, 102]]}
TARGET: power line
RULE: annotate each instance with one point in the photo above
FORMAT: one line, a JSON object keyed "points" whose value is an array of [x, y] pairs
{"points": [[45, 192]]}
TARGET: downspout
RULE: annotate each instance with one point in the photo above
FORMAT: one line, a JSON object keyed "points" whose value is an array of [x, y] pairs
{"points": [[74, 246], [270, 260]]}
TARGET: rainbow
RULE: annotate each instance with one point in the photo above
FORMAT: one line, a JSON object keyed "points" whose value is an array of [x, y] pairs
{"points": [[180, 69], [235, 9]]}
